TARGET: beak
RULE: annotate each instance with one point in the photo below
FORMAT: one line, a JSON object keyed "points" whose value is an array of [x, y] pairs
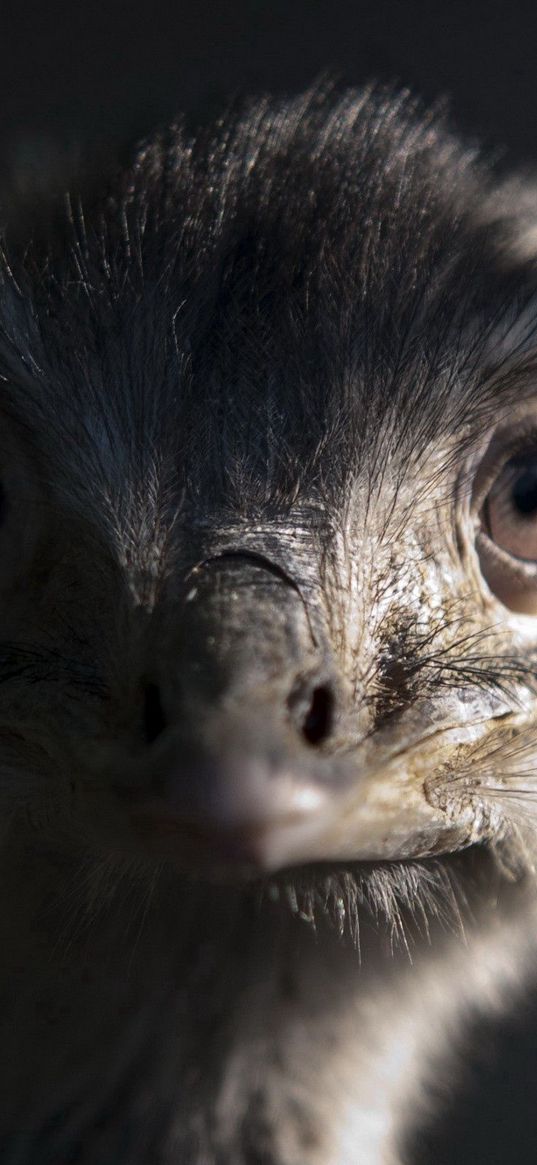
{"points": [[260, 761], [236, 805], [239, 773]]}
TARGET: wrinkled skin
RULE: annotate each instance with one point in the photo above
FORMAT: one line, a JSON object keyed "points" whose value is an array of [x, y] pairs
{"points": [[267, 703]]}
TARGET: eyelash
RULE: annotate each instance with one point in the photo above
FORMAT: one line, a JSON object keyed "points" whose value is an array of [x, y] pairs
{"points": [[523, 442]]}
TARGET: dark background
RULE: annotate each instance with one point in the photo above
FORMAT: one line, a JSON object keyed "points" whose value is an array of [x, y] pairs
{"points": [[75, 70], [77, 73], [80, 80]]}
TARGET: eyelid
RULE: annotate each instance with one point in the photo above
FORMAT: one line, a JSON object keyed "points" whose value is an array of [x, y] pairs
{"points": [[523, 568], [504, 444], [511, 581]]}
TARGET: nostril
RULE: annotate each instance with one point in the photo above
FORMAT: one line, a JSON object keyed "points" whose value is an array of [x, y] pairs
{"points": [[318, 721], [154, 719]]}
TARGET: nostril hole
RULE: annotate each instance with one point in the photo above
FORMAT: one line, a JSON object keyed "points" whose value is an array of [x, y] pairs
{"points": [[154, 719], [317, 724]]}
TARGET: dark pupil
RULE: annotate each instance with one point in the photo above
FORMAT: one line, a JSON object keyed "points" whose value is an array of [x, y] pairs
{"points": [[524, 495]]}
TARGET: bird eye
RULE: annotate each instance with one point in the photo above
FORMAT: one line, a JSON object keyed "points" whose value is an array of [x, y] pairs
{"points": [[507, 539], [510, 510]]}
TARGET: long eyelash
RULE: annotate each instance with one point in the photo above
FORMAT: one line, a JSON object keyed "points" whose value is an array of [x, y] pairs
{"points": [[522, 443]]}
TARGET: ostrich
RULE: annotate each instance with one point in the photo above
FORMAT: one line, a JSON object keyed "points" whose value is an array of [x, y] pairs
{"points": [[268, 640]]}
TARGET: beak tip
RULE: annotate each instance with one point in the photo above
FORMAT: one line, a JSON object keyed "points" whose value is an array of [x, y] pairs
{"points": [[258, 845], [234, 814]]}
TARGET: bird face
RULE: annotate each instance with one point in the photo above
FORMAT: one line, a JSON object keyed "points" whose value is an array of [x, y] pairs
{"points": [[270, 535]]}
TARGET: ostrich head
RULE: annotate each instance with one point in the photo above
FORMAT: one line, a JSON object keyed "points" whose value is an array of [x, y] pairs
{"points": [[269, 508]]}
